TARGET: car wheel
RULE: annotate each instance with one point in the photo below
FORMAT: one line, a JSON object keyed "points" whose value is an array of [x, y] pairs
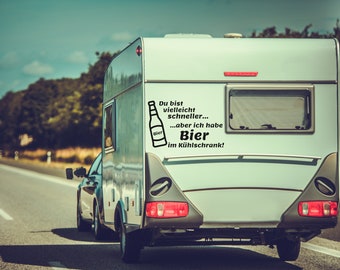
{"points": [[82, 225], [99, 230], [288, 250], [130, 246]]}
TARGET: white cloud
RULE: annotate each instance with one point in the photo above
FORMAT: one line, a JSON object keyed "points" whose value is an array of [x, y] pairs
{"points": [[122, 36], [78, 57], [9, 59], [37, 68]]}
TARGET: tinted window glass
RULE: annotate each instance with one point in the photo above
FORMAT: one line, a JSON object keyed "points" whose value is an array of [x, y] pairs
{"points": [[269, 109]]}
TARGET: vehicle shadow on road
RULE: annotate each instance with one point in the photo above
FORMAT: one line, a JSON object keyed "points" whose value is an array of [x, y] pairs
{"points": [[84, 252], [210, 257], [106, 256], [75, 235]]}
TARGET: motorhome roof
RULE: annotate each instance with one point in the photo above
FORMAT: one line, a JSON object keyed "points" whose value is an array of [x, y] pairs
{"points": [[223, 60]]}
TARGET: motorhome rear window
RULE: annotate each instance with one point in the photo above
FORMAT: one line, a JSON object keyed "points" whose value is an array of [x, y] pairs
{"points": [[270, 110]]}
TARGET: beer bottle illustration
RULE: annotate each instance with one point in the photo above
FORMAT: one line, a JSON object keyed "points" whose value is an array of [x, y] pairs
{"points": [[156, 126]]}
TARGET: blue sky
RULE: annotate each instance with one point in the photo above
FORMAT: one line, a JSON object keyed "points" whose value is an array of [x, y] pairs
{"points": [[55, 39]]}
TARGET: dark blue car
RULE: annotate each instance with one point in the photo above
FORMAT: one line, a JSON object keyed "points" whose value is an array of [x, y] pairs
{"points": [[90, 199]]}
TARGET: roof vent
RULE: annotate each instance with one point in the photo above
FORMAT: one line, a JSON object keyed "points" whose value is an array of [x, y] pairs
{"points": [[232, 35]]}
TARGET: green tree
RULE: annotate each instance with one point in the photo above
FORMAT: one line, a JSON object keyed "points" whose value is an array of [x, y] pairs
{"points": [[9, 113], [33, 111], [271, 32], [337, 30]]}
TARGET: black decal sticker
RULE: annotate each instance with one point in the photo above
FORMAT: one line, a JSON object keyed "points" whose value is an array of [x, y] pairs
{"points": [[156, 126]]}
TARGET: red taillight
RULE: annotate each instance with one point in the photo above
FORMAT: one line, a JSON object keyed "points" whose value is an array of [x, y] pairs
{"points": [[240, 73], [167, 209], [318, 209]]}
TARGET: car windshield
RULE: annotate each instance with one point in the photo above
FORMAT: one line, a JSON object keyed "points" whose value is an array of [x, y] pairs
{"points": [[96, 165]]}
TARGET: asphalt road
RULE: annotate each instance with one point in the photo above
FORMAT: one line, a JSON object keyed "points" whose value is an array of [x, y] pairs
{"points": [[38, 231]]}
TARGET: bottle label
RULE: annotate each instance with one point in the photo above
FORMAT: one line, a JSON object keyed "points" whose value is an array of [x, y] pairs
{"points": [[157, 133]]}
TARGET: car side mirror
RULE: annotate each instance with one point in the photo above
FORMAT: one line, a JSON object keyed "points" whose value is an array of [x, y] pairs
{"points": [[69, 173]]}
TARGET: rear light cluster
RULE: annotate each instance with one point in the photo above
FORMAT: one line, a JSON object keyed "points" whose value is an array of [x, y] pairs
{"points": [[318, 209], [167, 209], [240, 73]]}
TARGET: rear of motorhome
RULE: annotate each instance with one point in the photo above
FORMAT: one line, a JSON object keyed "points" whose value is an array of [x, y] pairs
{"points": [[221, 141]]}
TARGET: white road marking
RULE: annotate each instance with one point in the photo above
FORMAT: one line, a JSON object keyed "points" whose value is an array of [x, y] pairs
{"points": [[320, 249], [41, 176], [57, 265], [5, 215]]}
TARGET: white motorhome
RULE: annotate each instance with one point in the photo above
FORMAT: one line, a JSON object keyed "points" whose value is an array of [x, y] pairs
{"points": [[221, 141]]}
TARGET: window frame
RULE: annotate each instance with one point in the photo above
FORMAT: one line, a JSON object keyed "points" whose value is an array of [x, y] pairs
{"points": [[269, 87], [113, 146]]}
